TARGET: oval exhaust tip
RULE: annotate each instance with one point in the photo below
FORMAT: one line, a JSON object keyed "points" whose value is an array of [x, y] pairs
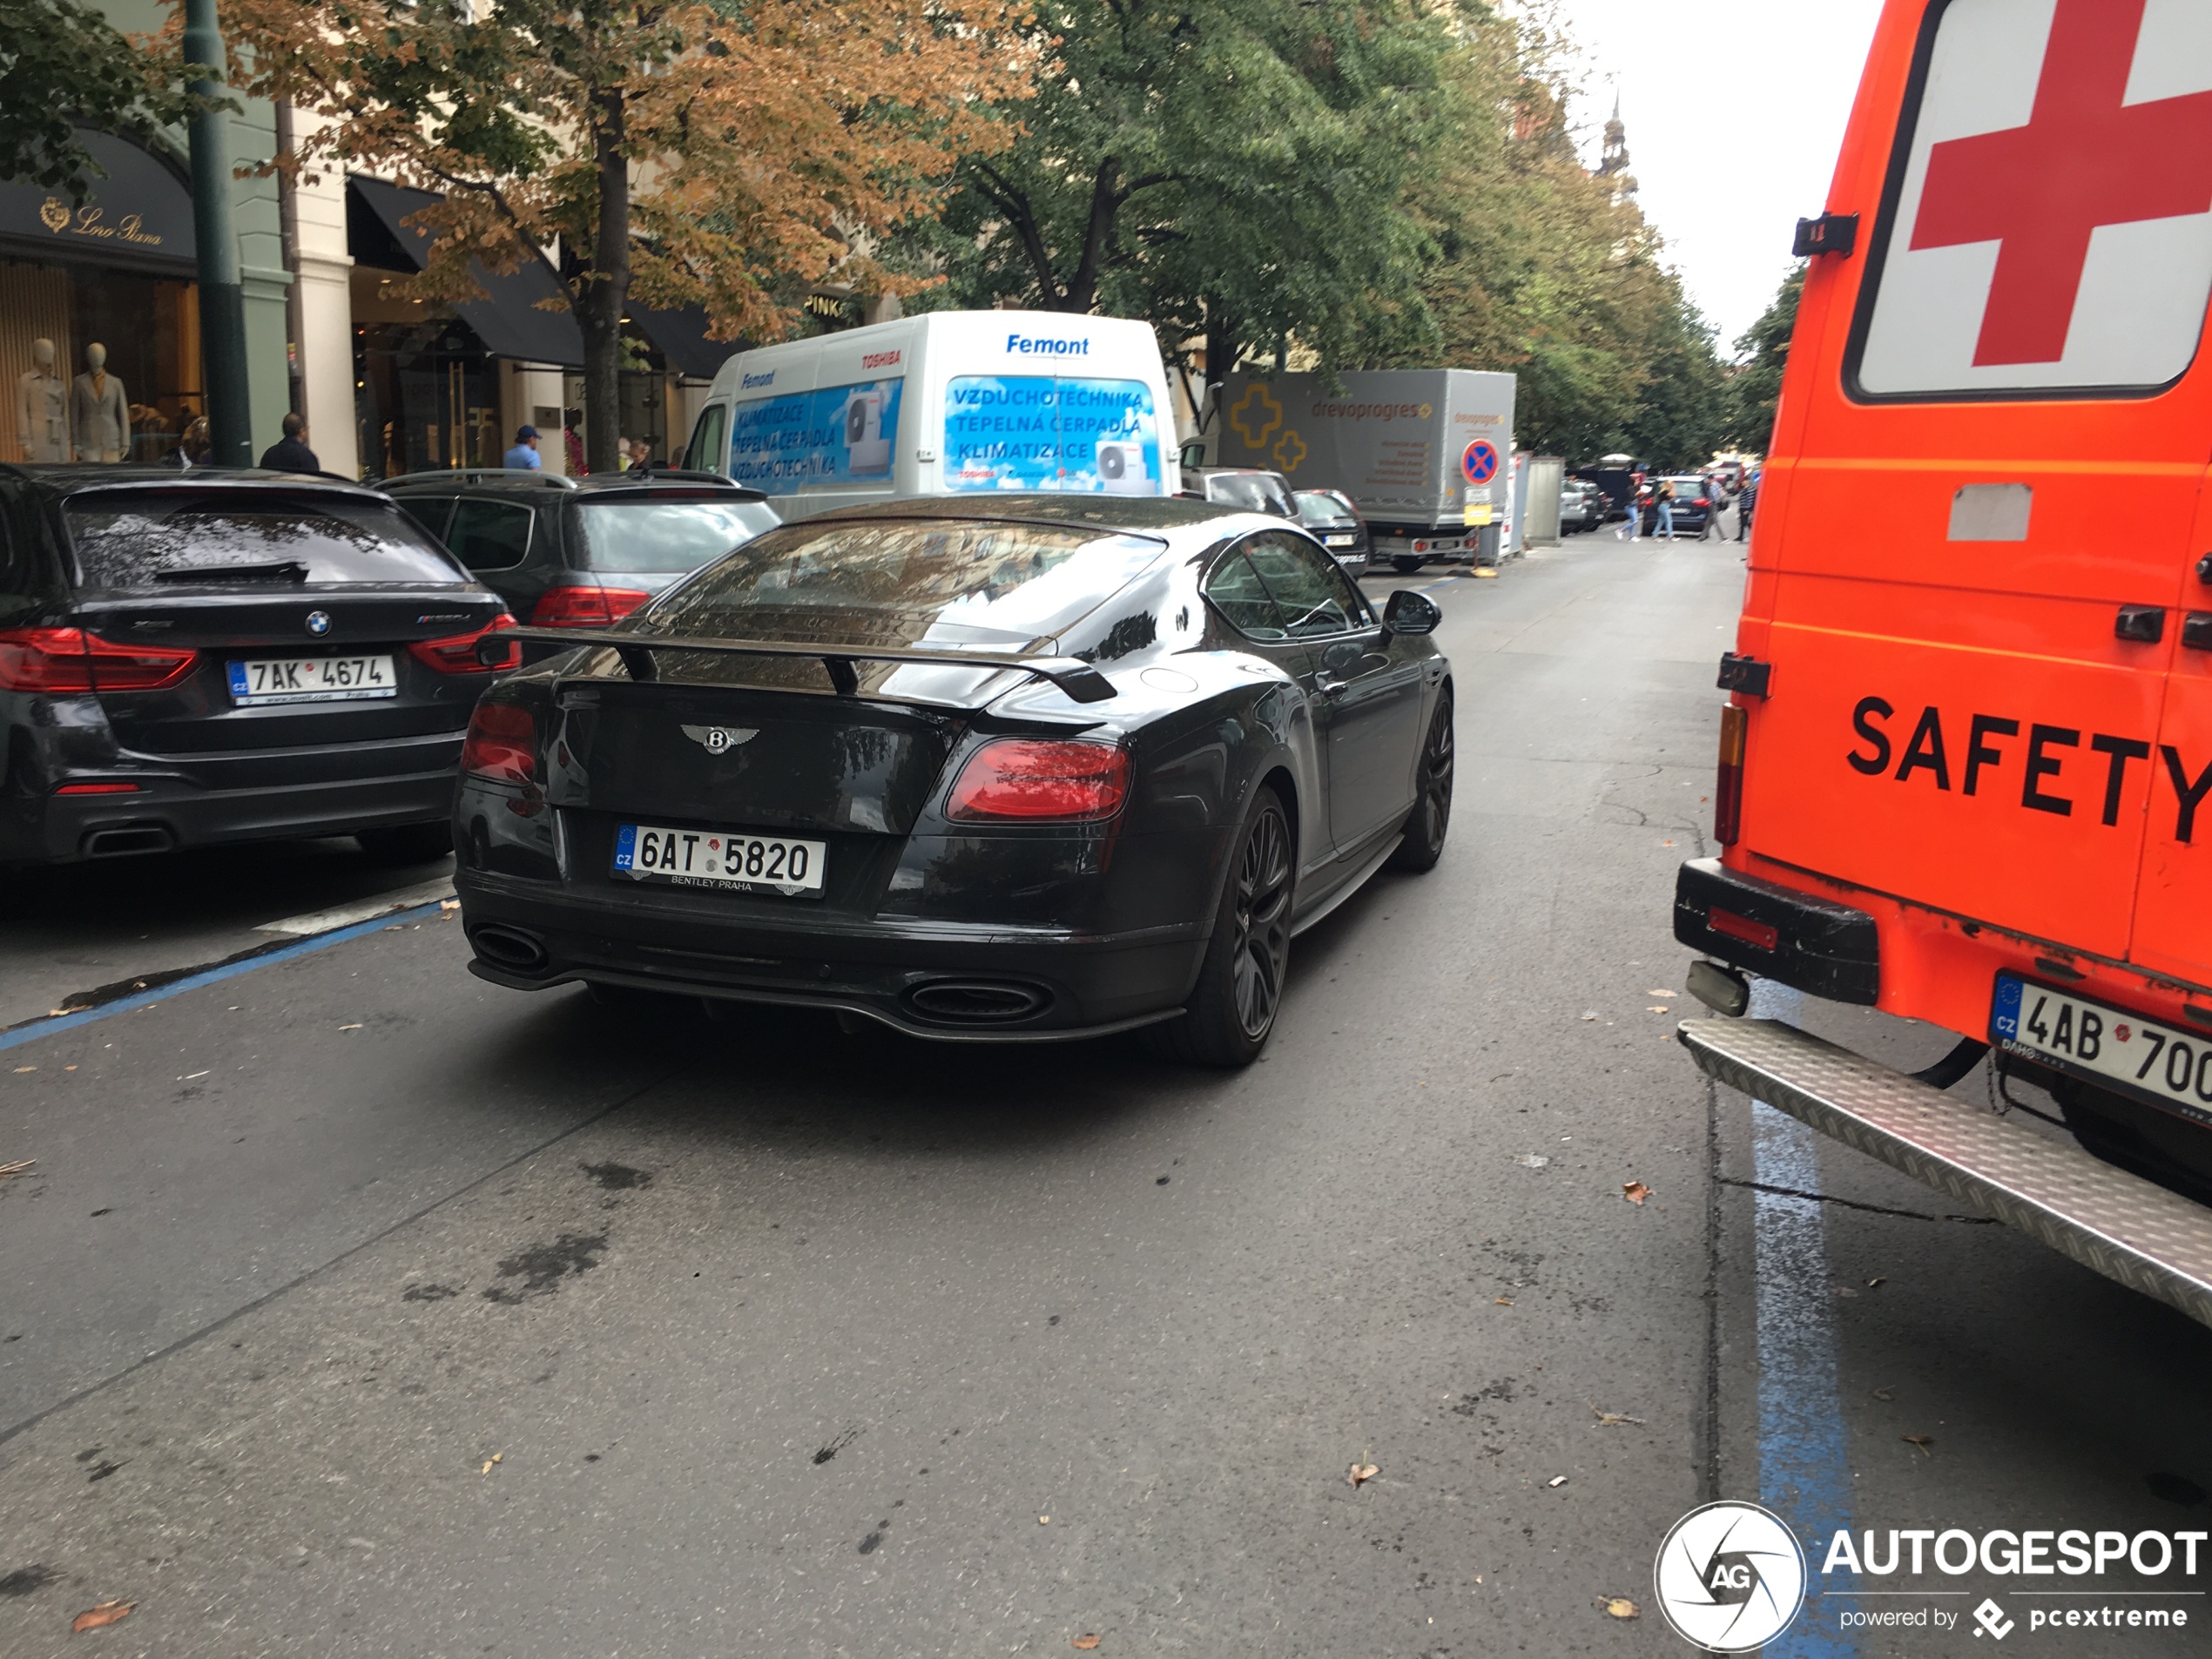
{"points": [[511, 948], [975, 1001]]}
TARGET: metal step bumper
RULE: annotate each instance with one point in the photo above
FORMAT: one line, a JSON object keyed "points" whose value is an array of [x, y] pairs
{"points": [[2116, 1224]]}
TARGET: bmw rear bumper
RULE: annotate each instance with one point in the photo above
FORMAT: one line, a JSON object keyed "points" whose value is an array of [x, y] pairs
{"points": [[961, 983]]}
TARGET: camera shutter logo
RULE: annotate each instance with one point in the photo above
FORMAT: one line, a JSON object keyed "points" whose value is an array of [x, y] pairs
{"points": [[1730, 1577]]}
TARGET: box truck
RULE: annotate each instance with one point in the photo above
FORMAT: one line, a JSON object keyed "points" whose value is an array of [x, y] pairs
{"points": [[1426, 454], [946, 403]]}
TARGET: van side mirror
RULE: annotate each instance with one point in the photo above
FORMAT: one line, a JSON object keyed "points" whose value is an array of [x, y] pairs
{"points": [[1410, 613]]}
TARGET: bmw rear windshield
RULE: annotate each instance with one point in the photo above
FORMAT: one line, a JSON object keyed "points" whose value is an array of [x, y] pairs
{"points": [[929, 582], [151, 538]]}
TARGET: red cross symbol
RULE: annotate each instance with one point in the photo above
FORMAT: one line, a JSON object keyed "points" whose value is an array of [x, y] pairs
{"points": [[2084, 159]]}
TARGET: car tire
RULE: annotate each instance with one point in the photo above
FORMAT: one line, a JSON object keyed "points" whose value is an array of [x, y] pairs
{"points": [[1231, 1011], [407, 843], [1406, 567], [1421, 842]]}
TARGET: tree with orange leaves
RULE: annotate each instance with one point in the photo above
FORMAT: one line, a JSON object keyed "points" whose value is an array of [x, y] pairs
{"points": [[729, 154]]}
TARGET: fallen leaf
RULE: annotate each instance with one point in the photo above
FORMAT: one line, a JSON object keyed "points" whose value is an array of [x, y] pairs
{"points": [[1884, 1394], [1044, 1520], [1924, 1442], [94, 1618], [1532, 1160], [449, 904], [1666, 843], [191, 1077], [17, 1168], [489, 1461], [1486, 575], [1590, 1013], [1661, 1009], [1619, 1606], [1635, 1191], [1556, 1481], [1613, 1420], [1084, 1644], [355, 1027], [1875, 1283], [1501, 1301], [1360, 1473], [21, 1069], [1658, 993]]}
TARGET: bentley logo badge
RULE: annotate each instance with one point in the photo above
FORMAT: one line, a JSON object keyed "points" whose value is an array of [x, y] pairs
{"points": [[318, 622], [720, 739], [53, 215]]}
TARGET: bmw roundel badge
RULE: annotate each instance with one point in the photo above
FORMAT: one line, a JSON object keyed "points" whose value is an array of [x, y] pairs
{"points": [[318, 622]]}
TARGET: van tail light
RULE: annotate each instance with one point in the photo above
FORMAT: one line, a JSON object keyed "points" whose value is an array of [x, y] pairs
{"points": [[1017, 779], [1742, 927], [66, 660], [501, 745], [456, 653], [573, 607], [1727, 789]]}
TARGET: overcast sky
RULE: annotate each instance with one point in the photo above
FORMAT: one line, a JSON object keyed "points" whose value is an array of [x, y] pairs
{"points": [[1734, 110]]}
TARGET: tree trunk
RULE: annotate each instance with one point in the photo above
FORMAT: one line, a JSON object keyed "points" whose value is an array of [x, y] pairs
{"points": [[1105, 202], [606, 293], [1222, 346]]}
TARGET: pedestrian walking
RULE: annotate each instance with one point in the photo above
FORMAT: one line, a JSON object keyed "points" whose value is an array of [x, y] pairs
{"points": [[194, 449], [290, 453], [524, 458], [1745, 502], [1716, 499], [1662, 498]]}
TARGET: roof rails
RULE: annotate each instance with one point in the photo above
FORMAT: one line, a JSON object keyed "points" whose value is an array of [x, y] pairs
{"points": [[478, 475]]}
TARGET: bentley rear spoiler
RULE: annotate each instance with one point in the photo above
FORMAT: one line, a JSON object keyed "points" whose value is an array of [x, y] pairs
{"points": [[1083, 683]]}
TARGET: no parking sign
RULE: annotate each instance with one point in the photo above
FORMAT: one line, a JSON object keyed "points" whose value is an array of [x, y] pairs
{"points": [[1480, 463]]}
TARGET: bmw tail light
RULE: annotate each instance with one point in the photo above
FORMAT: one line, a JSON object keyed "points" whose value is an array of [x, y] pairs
{"points": [[66, 660], [1021, 778], [456, 653], [573, 607], [501, 745], [1727, 791]]}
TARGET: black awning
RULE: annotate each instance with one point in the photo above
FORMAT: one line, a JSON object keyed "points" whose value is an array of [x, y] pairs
{"points": [[681, 336], [510, 320], [140, 215]]}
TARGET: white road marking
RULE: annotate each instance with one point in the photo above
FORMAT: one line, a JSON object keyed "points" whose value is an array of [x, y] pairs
{"points": [[321, 921]]}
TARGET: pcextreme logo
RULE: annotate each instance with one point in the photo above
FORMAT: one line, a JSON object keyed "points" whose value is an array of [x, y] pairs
{"points": [[1730, 1577]]}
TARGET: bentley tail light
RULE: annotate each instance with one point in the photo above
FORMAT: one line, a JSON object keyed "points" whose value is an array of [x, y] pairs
{"points": [[1016, 779], [572, 607], [456, 653], [65, 660], [1727, 791], [501, 745]]}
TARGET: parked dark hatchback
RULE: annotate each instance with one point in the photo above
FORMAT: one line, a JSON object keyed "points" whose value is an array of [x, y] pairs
{"points": [[582, 552], [1330, 518], [1020, 768], [187, 659]]}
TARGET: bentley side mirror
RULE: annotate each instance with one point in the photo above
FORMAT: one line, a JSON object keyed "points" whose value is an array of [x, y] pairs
{"points": [[1410, 613]]}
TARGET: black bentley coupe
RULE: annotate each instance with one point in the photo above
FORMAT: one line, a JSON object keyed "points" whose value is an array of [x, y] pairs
{"points": [[1019, 768]]}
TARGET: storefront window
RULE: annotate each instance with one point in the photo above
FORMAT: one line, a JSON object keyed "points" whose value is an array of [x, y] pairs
{"points": [[427, 398], [150, 325]]}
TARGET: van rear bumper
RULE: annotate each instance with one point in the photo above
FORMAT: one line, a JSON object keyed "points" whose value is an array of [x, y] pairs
{"points": [[2112, 1222], [1821, 948]]}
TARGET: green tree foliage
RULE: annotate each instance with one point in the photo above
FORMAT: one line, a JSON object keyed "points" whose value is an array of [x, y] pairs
{"points": [[63, 65], [1231, 169], [1757, 387], [1544, 269]]}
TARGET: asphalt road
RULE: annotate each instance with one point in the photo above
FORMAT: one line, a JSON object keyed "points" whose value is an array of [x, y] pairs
{"points": [[352, 1306]]}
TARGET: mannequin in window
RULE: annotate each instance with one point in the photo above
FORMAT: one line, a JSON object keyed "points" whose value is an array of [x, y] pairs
{"points": [[42, 407], [99, 415]]}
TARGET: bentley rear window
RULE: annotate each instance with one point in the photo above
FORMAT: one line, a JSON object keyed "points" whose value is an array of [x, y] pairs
{"points": [[931, 581]]}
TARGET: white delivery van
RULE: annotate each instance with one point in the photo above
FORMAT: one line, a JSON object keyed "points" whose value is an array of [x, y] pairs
{"points": [[950, 403]]}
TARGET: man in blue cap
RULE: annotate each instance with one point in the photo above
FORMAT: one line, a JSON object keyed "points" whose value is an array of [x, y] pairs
{"points": [[524, 458]]}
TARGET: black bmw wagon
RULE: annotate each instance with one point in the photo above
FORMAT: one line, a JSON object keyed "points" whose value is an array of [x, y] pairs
{"points": [[1015, 769], [223, 657]]}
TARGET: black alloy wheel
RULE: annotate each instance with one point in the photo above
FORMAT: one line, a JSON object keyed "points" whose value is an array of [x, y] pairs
{"points": [[1232, 1010], [1421, 842]]}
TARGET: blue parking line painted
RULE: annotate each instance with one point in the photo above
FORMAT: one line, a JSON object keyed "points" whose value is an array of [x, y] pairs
{"points": [[1805, 1451], [61, 1022]]}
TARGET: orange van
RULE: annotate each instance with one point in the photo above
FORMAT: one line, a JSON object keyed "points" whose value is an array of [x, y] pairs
{"points": [[1966, 758]]}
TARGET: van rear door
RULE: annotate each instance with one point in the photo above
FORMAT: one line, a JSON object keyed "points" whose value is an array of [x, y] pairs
{"points": [[2173, 912], [1988, 472]]}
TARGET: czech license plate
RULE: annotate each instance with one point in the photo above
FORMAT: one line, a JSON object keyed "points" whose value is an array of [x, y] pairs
{"points": [[312, 680], [1340, 541], [2093, 1040], [715, 859]]}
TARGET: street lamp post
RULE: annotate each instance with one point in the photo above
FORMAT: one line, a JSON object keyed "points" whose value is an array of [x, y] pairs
{"points": [[222, 295]]}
